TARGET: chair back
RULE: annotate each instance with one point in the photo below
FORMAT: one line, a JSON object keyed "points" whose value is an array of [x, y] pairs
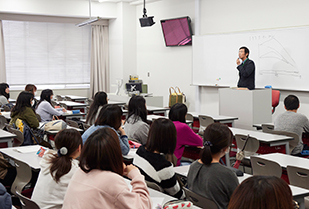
{"points": [[251, 147], [298, 176], [292, 143], [3, 121], [38, 117], [63, 105], [72, 123], [19, 139], [26, 203], [23, 176], [89, 101], [275, 94], [59, 98], [204, 122], [267, 128], [154, 186], [199, 200], [85, 126], [54, 103], [265, 167], [67, 98]]}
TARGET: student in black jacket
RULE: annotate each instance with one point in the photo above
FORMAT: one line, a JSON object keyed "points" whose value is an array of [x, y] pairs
{"points": [[246, 69]]}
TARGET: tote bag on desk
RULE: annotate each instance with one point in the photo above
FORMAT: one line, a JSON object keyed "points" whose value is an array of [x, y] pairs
{"points": [[175, 97]]}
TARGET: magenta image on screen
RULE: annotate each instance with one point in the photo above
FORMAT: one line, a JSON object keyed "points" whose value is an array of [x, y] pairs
{"points": [[177, 32]]}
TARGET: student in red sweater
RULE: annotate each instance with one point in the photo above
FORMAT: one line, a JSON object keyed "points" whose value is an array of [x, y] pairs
{"points": [[185, 135]]}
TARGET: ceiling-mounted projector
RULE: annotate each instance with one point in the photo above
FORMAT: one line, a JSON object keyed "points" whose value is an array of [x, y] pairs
{"points": [[146, 21]]}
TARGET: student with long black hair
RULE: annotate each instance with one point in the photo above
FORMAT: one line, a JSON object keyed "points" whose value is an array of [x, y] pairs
{"points": [[207, 177], [45, 108], [136, 125], [4, 93], [100, 99], [57, 169], [23, 110]]}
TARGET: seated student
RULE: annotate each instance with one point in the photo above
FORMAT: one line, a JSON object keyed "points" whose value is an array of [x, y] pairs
{"points": [[32, 89], [57, 169], [151, 161], [4, 93], [267, 192], [99, 182], [5, 198], [136, 125], [185, 135], [292, 121], [45, 108], [100, 99], [23, 110], [206, 176], [110, 116]]}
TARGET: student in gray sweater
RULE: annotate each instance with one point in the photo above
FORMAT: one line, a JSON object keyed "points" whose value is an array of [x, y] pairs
{"points": [[294, 122], [136, 125], [4, 93], [45, 109], [207, 177]]}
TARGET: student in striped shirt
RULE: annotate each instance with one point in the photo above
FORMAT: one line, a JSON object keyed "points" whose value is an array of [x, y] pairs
{"points": [[151, 161]]}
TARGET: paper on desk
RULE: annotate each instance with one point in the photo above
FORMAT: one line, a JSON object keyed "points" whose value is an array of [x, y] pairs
{"points": [[157, 201], [28, 149]]}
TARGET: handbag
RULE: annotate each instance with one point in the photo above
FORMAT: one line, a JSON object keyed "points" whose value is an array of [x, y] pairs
{"points": [[176, 97], [55, 125]]}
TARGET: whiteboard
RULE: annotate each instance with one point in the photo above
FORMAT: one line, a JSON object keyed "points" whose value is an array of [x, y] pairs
{"points": [[280, 58]]}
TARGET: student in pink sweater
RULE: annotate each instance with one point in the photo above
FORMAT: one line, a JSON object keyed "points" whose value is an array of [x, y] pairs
{"points": [[185, 135], [98, 183]]}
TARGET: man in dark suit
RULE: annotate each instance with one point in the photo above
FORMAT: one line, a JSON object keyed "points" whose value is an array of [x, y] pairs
{"points": [[246, 69]]}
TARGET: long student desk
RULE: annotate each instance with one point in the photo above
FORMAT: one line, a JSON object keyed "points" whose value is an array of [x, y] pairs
{"points": [[267, 138], [150, 118], [6, 137], [285, 160], [217, 118], [298, 193], [28, 155], [116, 102]]}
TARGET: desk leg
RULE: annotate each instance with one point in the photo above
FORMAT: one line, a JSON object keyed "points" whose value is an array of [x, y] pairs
{"points": [[287, 148], [10, 142], [227, 159]]}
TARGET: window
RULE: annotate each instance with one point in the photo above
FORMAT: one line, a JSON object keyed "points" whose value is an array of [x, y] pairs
{"points": [[47, 53]]}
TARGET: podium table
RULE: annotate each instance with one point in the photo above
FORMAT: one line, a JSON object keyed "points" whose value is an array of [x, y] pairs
{"points": [[250, 106]]}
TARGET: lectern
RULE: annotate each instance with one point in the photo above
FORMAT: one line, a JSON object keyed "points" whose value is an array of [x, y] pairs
{"points": [[250, 106]]}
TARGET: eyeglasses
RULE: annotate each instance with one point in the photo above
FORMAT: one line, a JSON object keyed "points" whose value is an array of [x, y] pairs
{"points": [[295, 205]]}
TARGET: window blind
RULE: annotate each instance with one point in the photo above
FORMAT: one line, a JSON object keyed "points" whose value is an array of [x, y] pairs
{"points": [[46, 53]]}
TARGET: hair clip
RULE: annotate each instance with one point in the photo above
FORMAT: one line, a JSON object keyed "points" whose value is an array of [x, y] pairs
{"points": [[208, 143], [62, 151]]}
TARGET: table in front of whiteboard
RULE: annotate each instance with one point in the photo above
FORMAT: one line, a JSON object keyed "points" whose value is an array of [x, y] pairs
{"points": [[6, 137], [298, 193], [116, 102], [151, 118]]}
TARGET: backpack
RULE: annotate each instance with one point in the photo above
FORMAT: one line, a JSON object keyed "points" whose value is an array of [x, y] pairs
{"points": [[27, 132]]}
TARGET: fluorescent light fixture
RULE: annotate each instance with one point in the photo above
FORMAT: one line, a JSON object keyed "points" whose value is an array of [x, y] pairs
{"points": [[89, 21]]}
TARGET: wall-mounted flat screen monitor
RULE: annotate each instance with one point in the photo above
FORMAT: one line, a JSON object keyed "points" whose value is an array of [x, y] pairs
{"points": [[177, 31]]}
